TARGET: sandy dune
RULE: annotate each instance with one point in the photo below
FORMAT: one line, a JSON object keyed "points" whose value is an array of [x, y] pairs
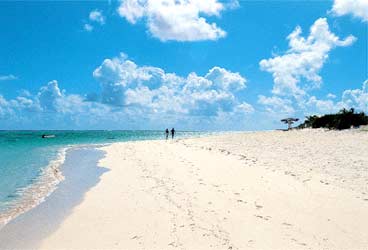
{"points": [[264, 190]]}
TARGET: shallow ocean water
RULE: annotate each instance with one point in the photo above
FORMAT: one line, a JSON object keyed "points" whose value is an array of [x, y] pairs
{"points": [[29, 163]]}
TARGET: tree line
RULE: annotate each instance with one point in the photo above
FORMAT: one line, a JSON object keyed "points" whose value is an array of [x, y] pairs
{"points": [[344, 119]]}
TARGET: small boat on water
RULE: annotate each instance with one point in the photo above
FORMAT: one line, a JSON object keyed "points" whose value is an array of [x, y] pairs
{"points": [[48, 136]]}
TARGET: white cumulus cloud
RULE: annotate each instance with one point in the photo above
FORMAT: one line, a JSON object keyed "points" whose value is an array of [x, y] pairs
{"points": [[151, 89], [94, 17], [135, 97], [88, 27], [350, 98], [312, 105], [316, 106], [97, 16], [356, 98], [357, 8], [52, 108], [8, 77], [180, 20], [276, 105], [49, 95], [303, 60]]}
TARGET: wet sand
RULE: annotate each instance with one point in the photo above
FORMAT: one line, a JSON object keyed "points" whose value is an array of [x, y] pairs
{"points": [[29, 229]]}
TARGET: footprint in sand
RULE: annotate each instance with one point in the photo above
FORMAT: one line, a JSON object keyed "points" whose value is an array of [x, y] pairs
{"points": [[262, 217], [257, 206], [298, 242], [242, 157], [225, 151], [172, 244]]}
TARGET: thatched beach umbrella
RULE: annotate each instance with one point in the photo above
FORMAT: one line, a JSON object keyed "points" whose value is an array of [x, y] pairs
{"points": [[289, 121]]}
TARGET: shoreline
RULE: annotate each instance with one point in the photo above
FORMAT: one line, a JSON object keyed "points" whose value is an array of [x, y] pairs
{"points": [[43, 218], [264, 190], [47, 182], [34, 194]]}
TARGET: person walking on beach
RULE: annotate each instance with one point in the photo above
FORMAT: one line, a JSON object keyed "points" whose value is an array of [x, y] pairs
{"points": [[167, 133], [172, 133]]}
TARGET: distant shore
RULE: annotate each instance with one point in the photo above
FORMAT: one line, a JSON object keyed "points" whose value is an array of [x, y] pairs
{"points": [[301, 189]]}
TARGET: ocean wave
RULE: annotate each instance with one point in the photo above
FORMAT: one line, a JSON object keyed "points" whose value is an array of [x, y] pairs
{"points": [[36, 193]]}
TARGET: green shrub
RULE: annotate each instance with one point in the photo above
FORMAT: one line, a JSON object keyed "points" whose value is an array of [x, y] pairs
{"points": [[342, 120]]}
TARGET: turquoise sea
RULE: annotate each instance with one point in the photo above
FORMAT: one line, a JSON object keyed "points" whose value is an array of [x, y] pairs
{"points": [[29, 164]]}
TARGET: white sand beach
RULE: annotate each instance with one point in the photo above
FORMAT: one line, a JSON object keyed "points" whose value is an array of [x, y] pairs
{"points": [[262, 190]]}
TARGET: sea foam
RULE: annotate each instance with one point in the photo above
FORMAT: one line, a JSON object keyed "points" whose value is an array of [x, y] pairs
{"points": [[37, 192]]}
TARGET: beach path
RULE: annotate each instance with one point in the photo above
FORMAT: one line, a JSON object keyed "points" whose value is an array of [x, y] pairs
{"points": [[198, 194]]}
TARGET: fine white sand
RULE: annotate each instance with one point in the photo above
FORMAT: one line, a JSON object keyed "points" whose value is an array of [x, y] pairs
{"points": [[265, 190]]}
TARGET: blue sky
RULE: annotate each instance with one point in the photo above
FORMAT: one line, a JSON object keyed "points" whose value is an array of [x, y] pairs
{"points": [[193, 64]]}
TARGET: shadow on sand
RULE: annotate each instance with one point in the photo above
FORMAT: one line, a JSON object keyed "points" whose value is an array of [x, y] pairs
{"points": [[81, 174]]}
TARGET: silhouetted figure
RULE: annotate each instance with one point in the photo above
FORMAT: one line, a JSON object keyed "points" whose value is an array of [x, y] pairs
{"points": [[167, 133], [172, 133]]}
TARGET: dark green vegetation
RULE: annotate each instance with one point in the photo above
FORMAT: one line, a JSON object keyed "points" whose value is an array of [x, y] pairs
{"points": [[344, 119]]}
